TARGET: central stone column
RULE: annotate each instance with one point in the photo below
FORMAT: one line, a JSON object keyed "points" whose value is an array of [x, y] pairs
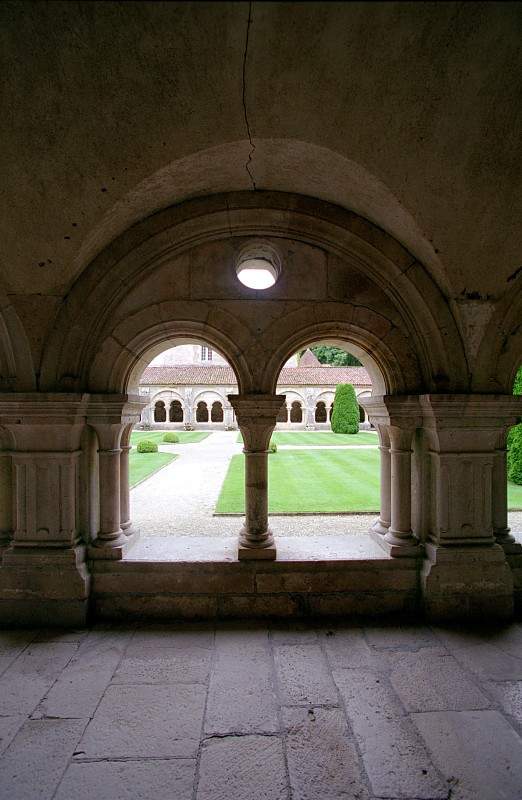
{"points": [[382, 524], [256, 416]]}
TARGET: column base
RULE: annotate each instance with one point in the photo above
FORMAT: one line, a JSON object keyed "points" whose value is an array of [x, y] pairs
{"points": [[466, 582], [402, 548], [44, 586], [379, 527], [113, 550], [252, 549]]}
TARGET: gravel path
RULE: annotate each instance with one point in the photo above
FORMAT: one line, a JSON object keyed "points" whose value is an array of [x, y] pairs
{"points": [[179, 500]]}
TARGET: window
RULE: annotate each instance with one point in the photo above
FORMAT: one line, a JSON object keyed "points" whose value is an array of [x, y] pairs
{"points": [[206, 353]]}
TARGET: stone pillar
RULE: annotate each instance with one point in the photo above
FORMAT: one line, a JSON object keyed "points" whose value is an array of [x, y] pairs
{"points": [[6, 500], [395, 417], [310, 418], [228, 415], [112, 417], [256, 416], [382, 524], [44, 578], [466, 573], [125, 448]]}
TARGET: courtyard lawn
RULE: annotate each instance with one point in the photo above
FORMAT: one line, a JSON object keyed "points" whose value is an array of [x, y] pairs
{"points": [[143, 465], [514, 496], [185, 437], [323, 438], [313, 481]]}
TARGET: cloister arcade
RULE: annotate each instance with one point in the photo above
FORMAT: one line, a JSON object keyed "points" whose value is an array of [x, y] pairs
{"points": [[441, 431]]}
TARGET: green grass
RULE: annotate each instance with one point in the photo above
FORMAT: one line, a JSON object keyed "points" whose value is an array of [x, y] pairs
{"points": [[142, 465], [514, 497], [185, 437], [313, 481], [318, 481], [321, 437]]}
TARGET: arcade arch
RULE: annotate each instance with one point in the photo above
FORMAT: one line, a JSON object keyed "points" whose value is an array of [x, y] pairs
{"points": [[171, 279]]}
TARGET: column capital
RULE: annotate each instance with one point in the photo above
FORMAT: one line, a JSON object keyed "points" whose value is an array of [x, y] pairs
{"points": [[399, 411], [469, 422], [256, 415]]}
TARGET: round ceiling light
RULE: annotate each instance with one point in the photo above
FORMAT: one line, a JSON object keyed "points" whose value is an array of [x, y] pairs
{"points": [[258, 265]]}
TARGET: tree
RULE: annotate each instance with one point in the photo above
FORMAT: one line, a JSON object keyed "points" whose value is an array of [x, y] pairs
{"points": [[514, 459], [327, 354], [345, 415]]}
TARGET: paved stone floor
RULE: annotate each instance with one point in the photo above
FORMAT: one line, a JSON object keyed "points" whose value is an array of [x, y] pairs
{"points": [[252, 712]]}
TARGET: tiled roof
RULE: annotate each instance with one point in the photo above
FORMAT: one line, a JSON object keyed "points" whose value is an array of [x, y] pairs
{"points": [[209, 375], [309, 359]]}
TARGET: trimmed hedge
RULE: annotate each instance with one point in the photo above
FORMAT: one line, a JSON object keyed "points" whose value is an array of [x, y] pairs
{"points": [[514, 442], [146, 446], [171, 438], [345, 416]]}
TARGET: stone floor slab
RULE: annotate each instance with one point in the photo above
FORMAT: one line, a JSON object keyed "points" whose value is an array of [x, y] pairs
{"points": [[476, 652], [12, 643], [9, 727], [167, 666], [399, 637], [478, 753], [79, 688], [241, 696], [129, 780], [31, 675], [322, 760], [33, 764], [347, 647], [393, 753], [177, 637], [303, 676], [431, 680], [138, 721], [243, 768]]}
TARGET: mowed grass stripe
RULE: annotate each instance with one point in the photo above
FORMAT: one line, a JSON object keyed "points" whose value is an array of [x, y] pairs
{"points": [[514, 497], [314, 481], [143, 465], [324, 438]]}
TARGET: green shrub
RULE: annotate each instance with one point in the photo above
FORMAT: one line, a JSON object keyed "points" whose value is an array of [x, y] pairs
{"points": [[345, 416], [171, 438], [515, 454], [146, 446], [272, 447]]}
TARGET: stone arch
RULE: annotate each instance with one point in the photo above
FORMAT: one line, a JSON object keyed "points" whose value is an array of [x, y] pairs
{"points": [[216, 412], [321, 414], [410, 332], [160, 413], [500, 352], [201, 411], [296, 411], [17, 371], [176, 411]]}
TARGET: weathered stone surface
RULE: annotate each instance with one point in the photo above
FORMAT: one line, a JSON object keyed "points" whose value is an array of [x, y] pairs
{"points": [[243, 768], [431, 680], [80, 686], [178, 637], [11, 645], [347, 647], [408, 637], [136, 721], [476, 653], [241, 695], [478, 753], [322, 759], [292, 633], [509, 695], [394, 755], [34, 762], [26, 681], [160, 607], [9, 727], [139, 780], [303, 676], [169, 666]]}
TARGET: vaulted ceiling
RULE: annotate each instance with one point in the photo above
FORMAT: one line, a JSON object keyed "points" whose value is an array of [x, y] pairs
{"points": [[408, 113]]}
